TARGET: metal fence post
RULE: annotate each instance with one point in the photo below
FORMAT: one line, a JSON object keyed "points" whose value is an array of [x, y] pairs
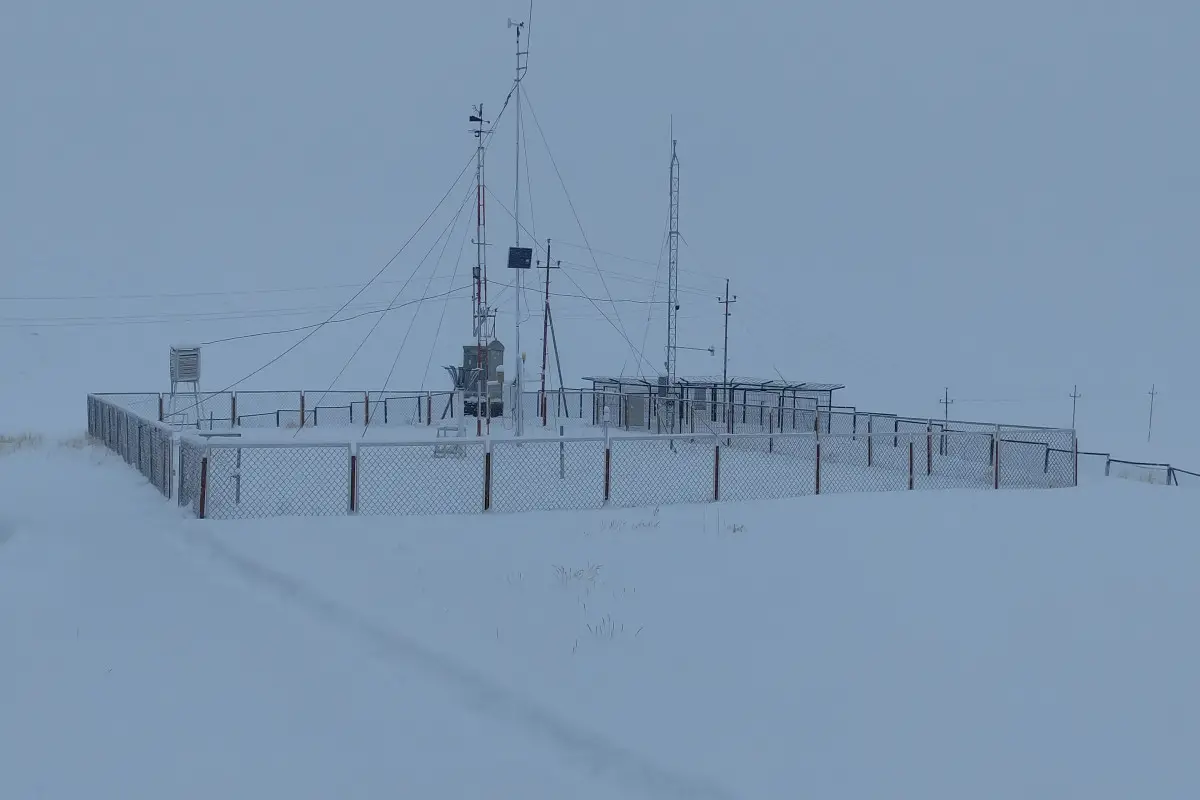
{"points": [[818, 466], [910, 465], [607, 472], [353, 480], [996, 459], [487, 476], [1075, 448], [870, 443], [302, 415], [203, 485], [717, 472], [929, 449]]}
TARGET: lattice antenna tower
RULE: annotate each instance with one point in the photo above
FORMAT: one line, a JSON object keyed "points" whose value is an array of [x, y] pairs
{"points": [[673, 272]]}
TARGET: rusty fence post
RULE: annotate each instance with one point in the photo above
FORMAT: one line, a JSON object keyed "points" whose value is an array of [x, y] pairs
{"points": [[818, 466], [717, 472], [203, 485], [910, 465], [487, 477]]}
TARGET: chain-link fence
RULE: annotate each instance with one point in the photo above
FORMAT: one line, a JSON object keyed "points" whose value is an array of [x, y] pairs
{"points": [[265, 480], [661, 470], [547, 474], [143, 443], [446, 476], [192, 475], [742, 451]]}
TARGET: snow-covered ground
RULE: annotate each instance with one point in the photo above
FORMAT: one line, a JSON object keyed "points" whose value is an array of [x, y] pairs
{"points": [[926, 644]]}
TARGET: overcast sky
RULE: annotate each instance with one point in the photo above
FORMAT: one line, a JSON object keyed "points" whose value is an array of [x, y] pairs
{"points": [[997, 197]]}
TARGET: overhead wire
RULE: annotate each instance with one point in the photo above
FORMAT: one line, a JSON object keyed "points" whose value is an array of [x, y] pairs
{"points": [[395, 298], [428, 283], [618, 325], [352, 318], [357, 294], [442, 318], [383, 269], [594, 301], [653, 290]]}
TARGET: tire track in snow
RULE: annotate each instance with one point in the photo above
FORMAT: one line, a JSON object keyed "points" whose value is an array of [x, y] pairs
{"points": [[602, 757]]}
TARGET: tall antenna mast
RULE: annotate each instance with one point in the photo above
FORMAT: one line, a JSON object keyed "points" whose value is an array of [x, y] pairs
{"points": [[522, 262], [482, 316], [673, 271]]}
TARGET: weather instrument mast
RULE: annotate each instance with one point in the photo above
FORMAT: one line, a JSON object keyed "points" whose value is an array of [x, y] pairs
{"points": [[519, 258], [483, 317]]}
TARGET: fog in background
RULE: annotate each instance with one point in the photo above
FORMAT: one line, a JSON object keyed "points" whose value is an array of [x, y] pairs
{"points": [[999, 199]]}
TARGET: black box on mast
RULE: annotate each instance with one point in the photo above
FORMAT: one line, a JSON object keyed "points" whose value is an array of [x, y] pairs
{"points": [[520, 257]]}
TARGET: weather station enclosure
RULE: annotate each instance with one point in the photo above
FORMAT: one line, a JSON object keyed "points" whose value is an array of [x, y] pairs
{"points": [[634, 402], [483, 380]]}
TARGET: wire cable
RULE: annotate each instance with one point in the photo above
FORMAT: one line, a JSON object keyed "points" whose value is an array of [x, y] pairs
{"points": [[357, 294], [653, 289], [395, 298], [618, 326], [428, 283], [437, 334], [440, 295]]}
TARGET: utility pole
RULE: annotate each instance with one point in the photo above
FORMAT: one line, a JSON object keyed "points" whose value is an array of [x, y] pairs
{"points": [[1150, 429], [1075, 395], [727, 302], [546, 335], [946, 402]]}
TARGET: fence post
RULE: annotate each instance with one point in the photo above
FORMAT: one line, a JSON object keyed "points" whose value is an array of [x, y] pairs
{"points": [[302, 415], [429, 408], [366, 408], [353, 480], [771, 431], [607, 471], [203, 485], [910, 465], [161, 410], [1075, 448], [487, 476], [717, 472], [929, 449], [870, 442], [818, 466], [996, 458]]}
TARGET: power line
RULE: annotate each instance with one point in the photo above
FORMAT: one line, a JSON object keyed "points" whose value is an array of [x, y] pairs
{"points": [[337, 321]]}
